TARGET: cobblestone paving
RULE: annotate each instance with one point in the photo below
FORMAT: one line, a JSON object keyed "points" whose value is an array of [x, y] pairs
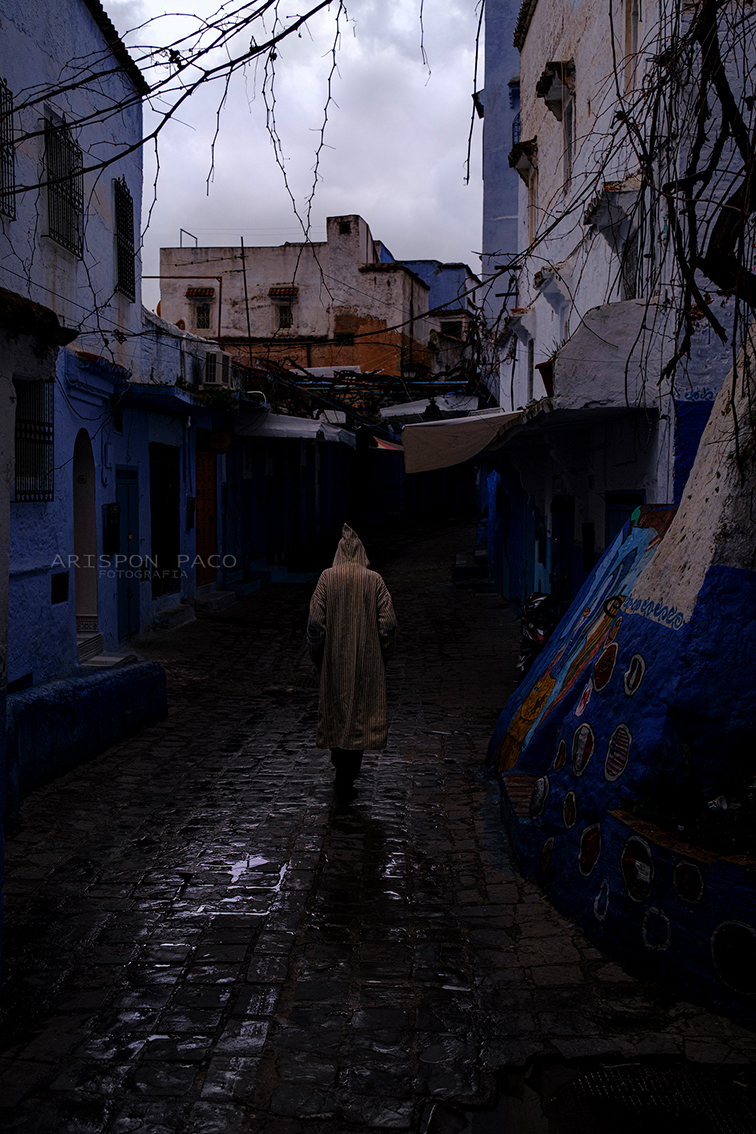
{"points": [[200, 941]]}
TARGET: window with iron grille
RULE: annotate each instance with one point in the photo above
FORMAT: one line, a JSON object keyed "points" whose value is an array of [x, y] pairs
{"points": [[203, 316], [285, 316], [35, 465], [65, 188], [7, 154], [124, 233]]}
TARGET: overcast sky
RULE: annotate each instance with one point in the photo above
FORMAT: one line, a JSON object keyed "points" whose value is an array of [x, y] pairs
{"points": [[397, 137]]}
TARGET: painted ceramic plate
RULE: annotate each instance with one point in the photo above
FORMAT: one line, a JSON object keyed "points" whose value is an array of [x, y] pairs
{"points": [[604, 667], [618, 753], [583, 743], [637, 867], [590, 849]]}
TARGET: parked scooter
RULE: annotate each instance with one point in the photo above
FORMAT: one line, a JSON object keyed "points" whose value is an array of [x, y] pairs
{"points": [[540, 614]]}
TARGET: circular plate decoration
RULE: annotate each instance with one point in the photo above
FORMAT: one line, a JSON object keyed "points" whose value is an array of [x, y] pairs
{"points": [[561, 755], [582, 704], [546, 852], [539, 796], [590, 849], [601, 901], [637, 867], [583, 743], [618, 753], [657, 931], [569, 809], [604, 667], [733, 951], [634, 674], [688, 882]]}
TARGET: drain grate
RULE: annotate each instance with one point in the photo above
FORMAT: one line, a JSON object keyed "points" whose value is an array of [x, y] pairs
{"points": [[613, 1100]]}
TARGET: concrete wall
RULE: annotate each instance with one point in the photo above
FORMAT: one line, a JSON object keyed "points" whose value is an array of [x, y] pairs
{"points": [[39, 49], [608, 351], [42, 46], [500, 183], [342, 289], [637, 715]]}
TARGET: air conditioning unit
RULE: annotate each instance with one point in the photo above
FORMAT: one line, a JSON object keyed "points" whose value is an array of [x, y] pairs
{"points": [[217, 370]]}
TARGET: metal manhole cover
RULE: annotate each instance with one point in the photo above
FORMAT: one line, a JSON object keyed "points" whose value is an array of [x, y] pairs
{"points": [[630, 1098]]}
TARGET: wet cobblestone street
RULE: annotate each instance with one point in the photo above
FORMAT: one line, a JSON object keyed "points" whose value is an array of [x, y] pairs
{"points": [[198, 940]]}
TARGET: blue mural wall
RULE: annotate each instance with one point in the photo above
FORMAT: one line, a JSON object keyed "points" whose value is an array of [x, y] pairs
{"points": [[634, 707]]}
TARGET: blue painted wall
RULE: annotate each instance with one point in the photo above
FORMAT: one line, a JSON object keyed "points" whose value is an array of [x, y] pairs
{"points": [[632, 705], [691, 421], [448, 283], [57, 726]]}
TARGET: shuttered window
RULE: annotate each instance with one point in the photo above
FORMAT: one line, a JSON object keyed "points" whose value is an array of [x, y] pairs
{"points": [[124, 233], [65, 187], [7, 154], [35, 466]]}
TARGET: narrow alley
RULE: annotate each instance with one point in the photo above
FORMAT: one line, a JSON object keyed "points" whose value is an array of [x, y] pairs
{"points": [[198, 940]]}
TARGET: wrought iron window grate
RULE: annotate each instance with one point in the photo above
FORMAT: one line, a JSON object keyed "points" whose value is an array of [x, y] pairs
{"points": [[65, 188], [516, 129], [124, 227], [7, 154], [35, 465]]}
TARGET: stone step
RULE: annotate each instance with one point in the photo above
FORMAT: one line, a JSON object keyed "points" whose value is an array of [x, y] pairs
{"points": [[89, 645], [109, 661], [172, 616], [214, 601]]}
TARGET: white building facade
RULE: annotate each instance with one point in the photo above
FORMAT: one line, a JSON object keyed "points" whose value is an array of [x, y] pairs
{"points": [[609, 422]]}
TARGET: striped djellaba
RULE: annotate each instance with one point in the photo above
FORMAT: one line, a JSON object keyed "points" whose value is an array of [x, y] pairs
{"points": [[349, 634]]}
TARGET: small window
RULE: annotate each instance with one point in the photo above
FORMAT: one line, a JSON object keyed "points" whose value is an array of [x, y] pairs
{"points": [[7, 154], [345, 228], [202, 320], [632, 21], [124, 233], [59, 587], [285, 316], [116, 413], [532, 213], [452, 327], [568, 137], [35, 465], [65, 187], [629, 267]]}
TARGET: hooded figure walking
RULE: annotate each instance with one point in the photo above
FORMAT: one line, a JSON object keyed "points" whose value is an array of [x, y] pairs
{"points": [[350, 633]]}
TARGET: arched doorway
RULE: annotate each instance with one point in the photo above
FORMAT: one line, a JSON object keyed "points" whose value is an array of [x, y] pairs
{"points": [[85, 546]]}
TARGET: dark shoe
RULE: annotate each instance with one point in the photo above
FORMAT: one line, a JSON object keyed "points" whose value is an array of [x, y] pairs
{"points": [[345, 793]]}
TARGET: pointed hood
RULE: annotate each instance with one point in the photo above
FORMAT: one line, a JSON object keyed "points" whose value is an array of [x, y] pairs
{"points": [[350, 549]]}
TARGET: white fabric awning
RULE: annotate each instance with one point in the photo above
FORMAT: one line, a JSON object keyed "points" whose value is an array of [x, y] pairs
{"points": [[281, 425], [440, 444]]}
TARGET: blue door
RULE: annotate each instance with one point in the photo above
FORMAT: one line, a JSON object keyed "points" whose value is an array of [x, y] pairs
{"points": [[129, 574]]}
